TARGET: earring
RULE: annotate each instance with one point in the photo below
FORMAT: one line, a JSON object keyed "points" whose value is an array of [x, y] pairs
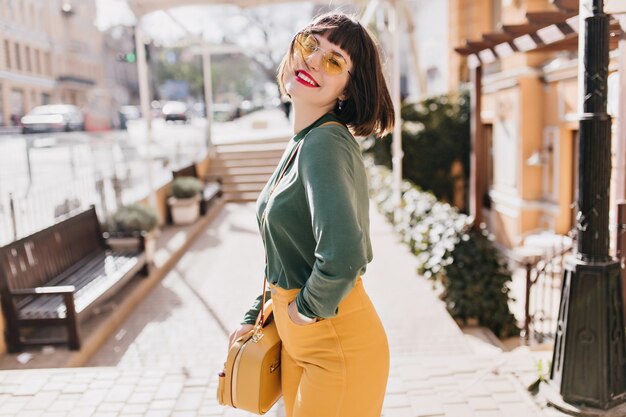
{"points": [[340, 104]]}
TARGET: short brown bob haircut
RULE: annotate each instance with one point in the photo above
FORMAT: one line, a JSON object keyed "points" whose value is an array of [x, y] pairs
{"points": [[368, 109]]}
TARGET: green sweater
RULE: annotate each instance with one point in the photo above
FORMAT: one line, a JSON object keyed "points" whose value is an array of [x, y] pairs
{"points": [[317, 221]]}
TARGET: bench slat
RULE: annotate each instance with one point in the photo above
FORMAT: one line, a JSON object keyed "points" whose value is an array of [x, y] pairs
{"points": [[93, 280]]}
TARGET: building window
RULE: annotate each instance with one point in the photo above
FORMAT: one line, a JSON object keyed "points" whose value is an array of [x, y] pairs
{"points": [[48, 63], [18, 58], [45, 98], [7, 53], [38, 61], [29, 66], [16, 101]]}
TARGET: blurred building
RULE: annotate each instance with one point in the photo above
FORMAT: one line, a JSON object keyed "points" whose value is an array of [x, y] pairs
{"points": [[50, 52], [521, 57]]}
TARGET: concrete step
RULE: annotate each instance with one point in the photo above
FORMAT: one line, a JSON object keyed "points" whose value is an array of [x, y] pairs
{"points": [[247, 155], [250, 147], [241, 197], [246, 179], [233, 188], [228, 171], [234, 163], [266, 140]]}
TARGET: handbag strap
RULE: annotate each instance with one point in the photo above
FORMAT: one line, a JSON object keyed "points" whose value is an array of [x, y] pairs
{"points": [[262, 317]]}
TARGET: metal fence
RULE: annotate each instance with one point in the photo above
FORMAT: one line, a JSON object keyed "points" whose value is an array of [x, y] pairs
{"points": [[543, 274], [41, 207]]}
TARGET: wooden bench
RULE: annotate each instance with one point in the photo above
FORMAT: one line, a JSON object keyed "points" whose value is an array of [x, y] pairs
{"points": [[56, 276], [212, 187]]}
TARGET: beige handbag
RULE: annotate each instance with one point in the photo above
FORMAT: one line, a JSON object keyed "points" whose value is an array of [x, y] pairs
{"points": [[251, 376]]}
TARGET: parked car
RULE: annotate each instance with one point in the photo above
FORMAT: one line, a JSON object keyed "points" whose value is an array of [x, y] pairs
{"points": [[174, 111], [128, 113], [53, 118]]}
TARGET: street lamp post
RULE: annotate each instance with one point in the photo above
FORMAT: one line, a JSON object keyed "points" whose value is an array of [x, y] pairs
{"points": [[589, 360]]}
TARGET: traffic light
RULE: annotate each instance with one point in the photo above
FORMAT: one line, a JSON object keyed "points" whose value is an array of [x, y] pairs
{"points": [[130, 57]]}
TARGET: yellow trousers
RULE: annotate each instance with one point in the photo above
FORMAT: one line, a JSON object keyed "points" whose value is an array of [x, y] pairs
{"points": [[336, 367]]}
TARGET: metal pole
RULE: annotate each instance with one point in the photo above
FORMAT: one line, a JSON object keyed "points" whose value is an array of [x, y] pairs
{"points": [[144, 96], [397, 154], [208, 95], [29, 167], [477, 172], [589, 360], [13, 219]]}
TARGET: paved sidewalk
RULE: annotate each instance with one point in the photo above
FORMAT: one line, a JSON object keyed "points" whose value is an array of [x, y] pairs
{"points": [[164, 359]]}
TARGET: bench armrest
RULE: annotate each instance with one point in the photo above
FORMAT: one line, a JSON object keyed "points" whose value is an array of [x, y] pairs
{"points": [[60, 290]]}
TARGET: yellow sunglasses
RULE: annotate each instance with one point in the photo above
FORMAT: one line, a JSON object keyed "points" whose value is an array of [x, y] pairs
{"points": [[333, 63]]}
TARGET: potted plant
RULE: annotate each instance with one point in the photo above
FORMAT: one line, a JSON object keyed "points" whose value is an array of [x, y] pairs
{"points": [[185, 200], [133, 227]]}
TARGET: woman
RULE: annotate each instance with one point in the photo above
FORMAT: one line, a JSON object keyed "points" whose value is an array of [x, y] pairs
{"points": [[315, 225]]}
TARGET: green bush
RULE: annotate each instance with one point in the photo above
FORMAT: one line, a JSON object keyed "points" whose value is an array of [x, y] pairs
{"points": [[435, 134], [186, 187], [133, 218], [449, 251]]}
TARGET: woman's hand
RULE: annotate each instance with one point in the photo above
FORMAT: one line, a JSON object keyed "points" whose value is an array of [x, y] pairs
{"points": [[292, 310], [240, 331]]}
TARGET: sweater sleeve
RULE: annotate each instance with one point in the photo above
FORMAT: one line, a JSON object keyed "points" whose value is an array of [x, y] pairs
{"points": [[252, 314], [326, 167]]}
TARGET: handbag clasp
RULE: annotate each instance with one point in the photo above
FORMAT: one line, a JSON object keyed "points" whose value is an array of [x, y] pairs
{"points": [[258, 334]]}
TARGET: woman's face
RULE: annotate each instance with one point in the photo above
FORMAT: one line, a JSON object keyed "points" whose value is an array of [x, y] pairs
{"points": [[307, 82]]}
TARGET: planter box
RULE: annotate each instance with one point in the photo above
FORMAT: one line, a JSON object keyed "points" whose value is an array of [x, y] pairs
{"points": [[184, 210], [121, 242]]}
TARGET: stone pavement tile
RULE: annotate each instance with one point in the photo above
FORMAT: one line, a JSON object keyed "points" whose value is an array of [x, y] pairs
{"points": [[104, 414], [82, 412], [519, 409], [157, 413], [395, 385], [162, 404], [101, 384], [31, 413], [508, 397], [134, 408], [119, 393], [63, 405], [211, 410], [92, 396], [482, 403], [451, 397], [75, 388], [458, 410], [396, 401], [169, 390], [489, 413], [189, 401], [29, 387], [397, 412], [140, 398], [110, 407], [54, 414], [41, 401], [425, 406], [183, 414]]}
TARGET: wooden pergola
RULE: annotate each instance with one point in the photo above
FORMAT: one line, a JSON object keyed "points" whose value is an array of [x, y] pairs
{"points": [[546, 31]]}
